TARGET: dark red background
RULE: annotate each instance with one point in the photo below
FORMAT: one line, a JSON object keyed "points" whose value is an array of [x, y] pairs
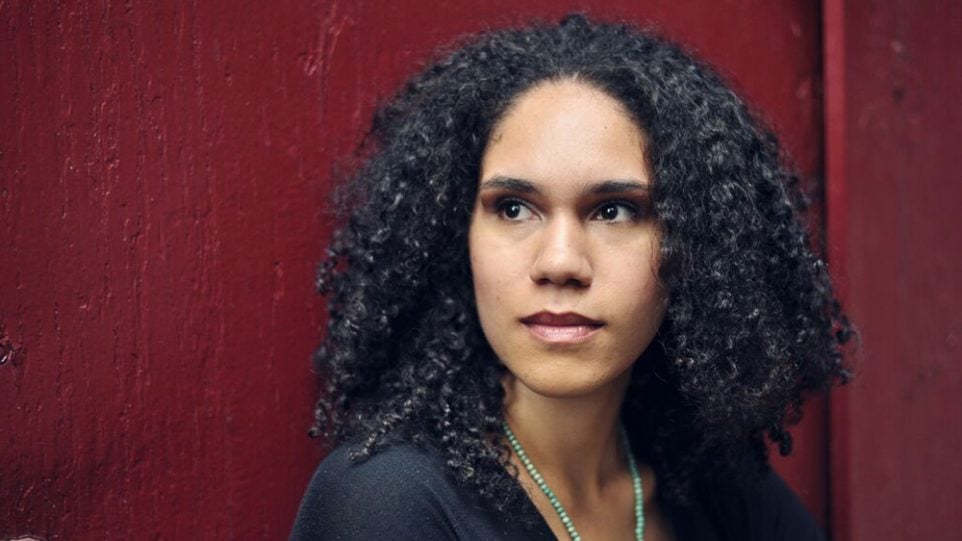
{"points": [[163, 170]]}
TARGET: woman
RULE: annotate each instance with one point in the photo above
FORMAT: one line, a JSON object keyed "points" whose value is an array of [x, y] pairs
{"points": [[571, 300]]}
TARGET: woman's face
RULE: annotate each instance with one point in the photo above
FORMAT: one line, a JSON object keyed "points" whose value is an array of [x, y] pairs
{"points": [[564, 248]]}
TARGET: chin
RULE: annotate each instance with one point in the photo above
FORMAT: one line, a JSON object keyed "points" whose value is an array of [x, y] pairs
{"points": [[566, 382]]}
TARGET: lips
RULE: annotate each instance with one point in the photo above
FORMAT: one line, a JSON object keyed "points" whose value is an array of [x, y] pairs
{"points": [[566, 328]]}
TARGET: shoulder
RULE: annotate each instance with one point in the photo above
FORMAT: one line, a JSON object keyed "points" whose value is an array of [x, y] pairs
{"points": [[777, 511], [764, 509], [399, 466], [394, 494]]}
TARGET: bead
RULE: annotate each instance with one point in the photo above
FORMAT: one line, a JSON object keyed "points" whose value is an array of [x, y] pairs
{"points": [[556, 503]]}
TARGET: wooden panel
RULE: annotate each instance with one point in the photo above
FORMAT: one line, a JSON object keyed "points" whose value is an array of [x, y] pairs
{"points": [[160, 226], [895, 231], [162, 169]]}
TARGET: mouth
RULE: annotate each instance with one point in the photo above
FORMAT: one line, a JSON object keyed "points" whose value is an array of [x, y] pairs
{"points": [[566, 328]]}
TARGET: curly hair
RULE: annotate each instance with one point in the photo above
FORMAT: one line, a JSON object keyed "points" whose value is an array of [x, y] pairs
{"points": [[752, 326]]}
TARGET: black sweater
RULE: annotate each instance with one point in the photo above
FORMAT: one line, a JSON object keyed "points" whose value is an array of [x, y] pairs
{"points": [[404, 492]]}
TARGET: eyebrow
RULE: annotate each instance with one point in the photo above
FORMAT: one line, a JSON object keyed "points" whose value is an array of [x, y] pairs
{"points": [[617, 186], [500, 182]]}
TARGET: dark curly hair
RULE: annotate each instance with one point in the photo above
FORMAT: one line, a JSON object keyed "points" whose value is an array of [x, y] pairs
{"points": [[752, 325]]}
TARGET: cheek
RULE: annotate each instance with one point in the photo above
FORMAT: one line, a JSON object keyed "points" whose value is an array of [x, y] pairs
{"points": [[499, 273], [487, 282], [633, 284], [490, 279]]}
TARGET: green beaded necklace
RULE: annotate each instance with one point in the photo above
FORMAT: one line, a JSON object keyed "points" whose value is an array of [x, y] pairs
{"points": [[556, 503]]}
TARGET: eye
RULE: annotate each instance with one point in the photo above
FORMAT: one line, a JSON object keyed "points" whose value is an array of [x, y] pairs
{"points": [[616, 212], [514, 210]]}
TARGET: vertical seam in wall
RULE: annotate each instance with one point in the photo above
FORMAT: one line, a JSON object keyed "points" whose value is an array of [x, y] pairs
{"points": [[836, 237]]}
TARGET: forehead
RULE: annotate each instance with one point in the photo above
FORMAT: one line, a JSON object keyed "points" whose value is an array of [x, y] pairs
{"points": [[565, 130]]}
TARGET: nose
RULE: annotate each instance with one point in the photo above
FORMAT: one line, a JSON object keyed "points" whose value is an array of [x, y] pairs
{"points": [[562, 258]]}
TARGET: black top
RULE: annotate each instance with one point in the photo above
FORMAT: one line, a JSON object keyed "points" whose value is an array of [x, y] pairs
{"points": [[404, 492]]}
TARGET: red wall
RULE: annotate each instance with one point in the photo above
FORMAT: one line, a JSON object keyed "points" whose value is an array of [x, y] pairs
{"points": [[162, 174], [160, 224], [895, 232]]}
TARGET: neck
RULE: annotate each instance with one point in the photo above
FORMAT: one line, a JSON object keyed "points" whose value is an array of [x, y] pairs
{"points": [[573, 441]]}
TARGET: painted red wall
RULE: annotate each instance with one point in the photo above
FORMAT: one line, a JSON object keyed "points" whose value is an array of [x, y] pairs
{"points": [[162, 173], [895, 232], [160, 225]]}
